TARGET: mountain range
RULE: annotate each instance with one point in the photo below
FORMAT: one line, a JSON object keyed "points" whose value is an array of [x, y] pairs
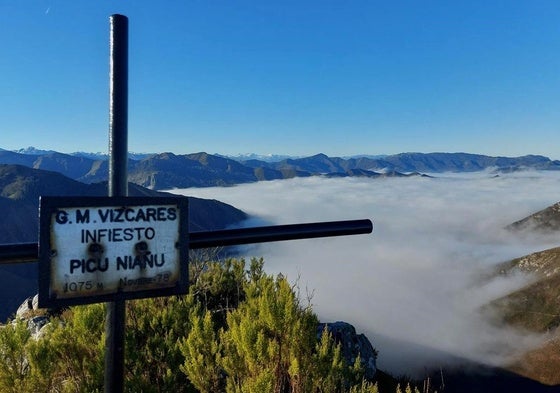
{"points": [[167, 170]]}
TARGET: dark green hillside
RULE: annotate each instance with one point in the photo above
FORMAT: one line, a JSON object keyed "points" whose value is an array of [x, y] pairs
{"points": [[20, 183], [168, 170], [317, 164], [535, 307], [74, 167]]}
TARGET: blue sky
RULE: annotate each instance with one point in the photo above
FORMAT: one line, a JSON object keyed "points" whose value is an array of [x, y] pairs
{"points": [[287, 77]]}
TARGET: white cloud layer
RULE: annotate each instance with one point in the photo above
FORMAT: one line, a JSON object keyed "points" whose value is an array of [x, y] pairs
{"points": [[414, 280]]}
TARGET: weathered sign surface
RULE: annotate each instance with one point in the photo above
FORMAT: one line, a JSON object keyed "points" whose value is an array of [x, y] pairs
{"points": [[97, 249]]}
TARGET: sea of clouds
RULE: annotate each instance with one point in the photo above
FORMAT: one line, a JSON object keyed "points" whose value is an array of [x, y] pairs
{"points": [[414, 286]]}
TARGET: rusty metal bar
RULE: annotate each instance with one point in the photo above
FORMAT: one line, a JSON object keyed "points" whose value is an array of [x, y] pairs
{"points": [[27, 252], [233, 237]]}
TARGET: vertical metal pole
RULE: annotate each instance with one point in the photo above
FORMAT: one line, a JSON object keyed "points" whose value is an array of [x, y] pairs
{"points": [[118, 106], [118, 186]]}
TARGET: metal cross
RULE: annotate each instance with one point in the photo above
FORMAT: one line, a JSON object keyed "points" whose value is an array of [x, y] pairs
{"points": [[118, 189]]}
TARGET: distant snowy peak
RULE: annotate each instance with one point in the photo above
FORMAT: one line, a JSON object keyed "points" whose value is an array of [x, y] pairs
{"points": [[373, 157], [259, 157], [33, 151]]}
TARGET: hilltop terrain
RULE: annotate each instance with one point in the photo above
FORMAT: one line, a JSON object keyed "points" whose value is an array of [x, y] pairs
{"points": [[535, 308]]}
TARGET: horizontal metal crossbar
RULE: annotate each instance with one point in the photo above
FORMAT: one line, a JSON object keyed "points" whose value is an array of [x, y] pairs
{"points": [[28, 252]]}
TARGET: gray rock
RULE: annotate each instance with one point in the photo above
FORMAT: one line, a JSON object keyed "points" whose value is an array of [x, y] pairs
{"points": [[36, 324], [352, 345], [28, 305]]}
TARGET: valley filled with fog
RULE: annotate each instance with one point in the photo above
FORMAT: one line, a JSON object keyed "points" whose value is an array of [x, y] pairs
{"points": [[415, 286]]}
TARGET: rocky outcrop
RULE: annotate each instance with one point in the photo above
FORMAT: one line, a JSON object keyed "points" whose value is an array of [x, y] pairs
{"points": [[36, 318], [28, 307], [544, 221], [352, 345]]}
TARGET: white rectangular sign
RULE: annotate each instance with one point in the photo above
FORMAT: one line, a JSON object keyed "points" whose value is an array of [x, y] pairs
{"points": [[100, 249]]}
